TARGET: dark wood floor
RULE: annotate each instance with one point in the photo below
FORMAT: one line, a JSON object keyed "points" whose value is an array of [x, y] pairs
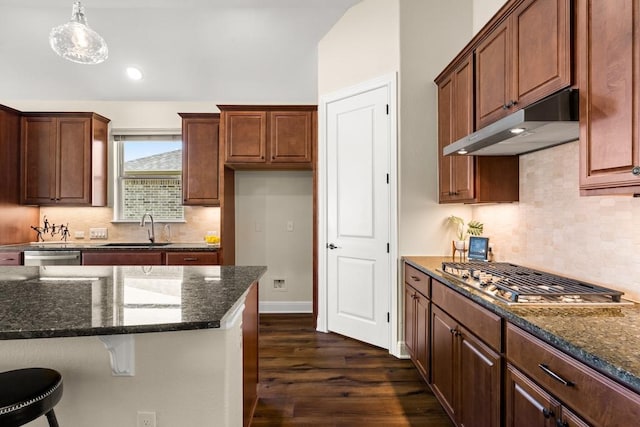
{"points": [[315, 379]]}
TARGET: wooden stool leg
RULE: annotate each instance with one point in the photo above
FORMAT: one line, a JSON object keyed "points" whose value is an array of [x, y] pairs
{"points": [[51, 417]]}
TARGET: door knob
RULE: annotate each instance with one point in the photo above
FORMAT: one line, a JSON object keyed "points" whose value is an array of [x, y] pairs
{"points": [[332, 246]]}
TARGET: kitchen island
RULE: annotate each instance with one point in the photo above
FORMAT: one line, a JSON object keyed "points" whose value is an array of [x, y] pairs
{"points": [[129, 339]]}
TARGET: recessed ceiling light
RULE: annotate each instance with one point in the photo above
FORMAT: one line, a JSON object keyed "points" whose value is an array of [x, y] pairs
{"points": [[134, 73], [517, 131], [462, 151]]}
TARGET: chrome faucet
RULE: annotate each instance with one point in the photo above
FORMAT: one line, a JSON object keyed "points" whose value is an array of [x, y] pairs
{"points": [[152, 232]]}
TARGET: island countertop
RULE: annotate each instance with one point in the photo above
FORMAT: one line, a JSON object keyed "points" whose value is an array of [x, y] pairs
{"points": [[66, 301]]}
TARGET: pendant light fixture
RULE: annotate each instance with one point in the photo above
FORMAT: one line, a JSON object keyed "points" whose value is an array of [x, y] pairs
{"points": [[77, 42]]}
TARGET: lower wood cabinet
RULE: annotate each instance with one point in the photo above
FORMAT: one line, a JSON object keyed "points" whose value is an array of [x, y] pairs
{"points": [[526, 404], [11, 258], [462, 370], [122, 258], [598, 400], [470, 351], [417, 330]]}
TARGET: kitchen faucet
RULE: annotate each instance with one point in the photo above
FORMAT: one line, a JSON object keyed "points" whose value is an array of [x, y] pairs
{"points": [[151, 233]]}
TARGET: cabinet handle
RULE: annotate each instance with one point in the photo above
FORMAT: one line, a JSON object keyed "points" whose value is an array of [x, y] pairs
{"points": [[415, 278], [547, 413], [561, 423], [455, 332], [8, 259], [190, 259], [636, 170], [555, 376], [505, 107]]}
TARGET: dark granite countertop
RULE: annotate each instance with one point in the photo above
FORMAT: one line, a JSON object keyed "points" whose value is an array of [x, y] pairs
{"points": [[607, 339], [104, 246], [65, 301]]}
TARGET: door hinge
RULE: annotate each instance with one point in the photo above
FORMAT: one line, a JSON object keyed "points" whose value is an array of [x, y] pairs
{"points": [[388, 317], [387, 248], [387, 109]]}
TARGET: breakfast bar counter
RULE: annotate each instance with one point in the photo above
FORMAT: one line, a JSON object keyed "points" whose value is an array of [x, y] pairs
{"points": [[131, 339], [65, 301]]}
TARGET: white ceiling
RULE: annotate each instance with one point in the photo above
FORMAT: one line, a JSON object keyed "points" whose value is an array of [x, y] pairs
{"points": [[228, 51]]}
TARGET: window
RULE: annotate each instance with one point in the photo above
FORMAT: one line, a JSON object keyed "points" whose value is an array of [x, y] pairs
{"points": [[149, 175]]}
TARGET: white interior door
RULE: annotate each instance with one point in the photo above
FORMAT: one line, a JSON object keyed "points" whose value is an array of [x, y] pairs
{"points": [[358, 225]]}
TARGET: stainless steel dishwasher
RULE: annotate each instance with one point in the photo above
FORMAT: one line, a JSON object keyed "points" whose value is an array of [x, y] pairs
{"points": [[52, 257]]}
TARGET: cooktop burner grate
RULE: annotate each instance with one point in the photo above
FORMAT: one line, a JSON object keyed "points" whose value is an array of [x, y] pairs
{"points": [[524, 282]]}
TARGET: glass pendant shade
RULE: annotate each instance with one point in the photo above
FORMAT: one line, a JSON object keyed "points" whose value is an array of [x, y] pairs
{"points": [[77, 42]]}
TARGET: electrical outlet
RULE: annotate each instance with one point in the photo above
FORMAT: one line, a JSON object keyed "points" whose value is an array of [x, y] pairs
{"points": [[98, 233], [146, 419], [289, 225], [279, 285], [78, 235]]}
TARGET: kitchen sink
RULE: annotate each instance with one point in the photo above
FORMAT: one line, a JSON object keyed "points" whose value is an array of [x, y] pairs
{"points": [[135, 244]]}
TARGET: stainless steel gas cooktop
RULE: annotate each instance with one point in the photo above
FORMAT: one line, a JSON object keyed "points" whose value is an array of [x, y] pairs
{"points": [[517, 285]]}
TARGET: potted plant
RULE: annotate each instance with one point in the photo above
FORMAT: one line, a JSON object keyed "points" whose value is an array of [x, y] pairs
{"points": [[474, 228]]}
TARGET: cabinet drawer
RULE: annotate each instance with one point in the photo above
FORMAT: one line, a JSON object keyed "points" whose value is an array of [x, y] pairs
{"points": [[192, 258], [484, 324], [122, 258], [598, 399], [417, 279], [11, 258]]}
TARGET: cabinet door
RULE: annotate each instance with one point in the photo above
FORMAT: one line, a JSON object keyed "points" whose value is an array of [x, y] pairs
{"points": [[410, 296], [38, 171], [569, 419], [245, 134], [455, 120], [200, 160], [290, 136], [542, 49], [527, 405], [480, 375], [608, 39], [73, 161], [422, 335], [443, 362], [493, 69]]}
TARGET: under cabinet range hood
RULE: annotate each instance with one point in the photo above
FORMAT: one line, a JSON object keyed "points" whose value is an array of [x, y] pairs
{"points": [[551, 121]]}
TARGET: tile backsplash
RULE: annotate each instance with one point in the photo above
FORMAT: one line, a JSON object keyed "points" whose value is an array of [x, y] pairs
{"points": [[198, 220], [595, 238]]}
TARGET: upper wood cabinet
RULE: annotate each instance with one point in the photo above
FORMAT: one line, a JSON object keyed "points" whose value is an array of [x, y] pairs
{"points": [[455, 120], [524, 58], [277, 137], [608, 41], [64, 159], [468, 179], [200, 159]]}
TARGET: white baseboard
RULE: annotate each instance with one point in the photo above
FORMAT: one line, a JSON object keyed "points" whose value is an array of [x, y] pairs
{"points": [[286, 307]]}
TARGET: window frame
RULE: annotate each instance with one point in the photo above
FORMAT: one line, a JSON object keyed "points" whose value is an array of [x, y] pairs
{"points": [[118, 140]]}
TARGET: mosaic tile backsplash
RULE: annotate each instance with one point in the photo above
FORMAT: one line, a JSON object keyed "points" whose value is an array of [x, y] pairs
{"points": [[595, 238]]}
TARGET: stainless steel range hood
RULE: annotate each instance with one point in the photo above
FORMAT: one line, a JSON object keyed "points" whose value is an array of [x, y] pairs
{"points": [[551, 121]]}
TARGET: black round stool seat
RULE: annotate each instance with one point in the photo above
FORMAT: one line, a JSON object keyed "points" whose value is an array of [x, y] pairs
{"points": [[26, 394]]}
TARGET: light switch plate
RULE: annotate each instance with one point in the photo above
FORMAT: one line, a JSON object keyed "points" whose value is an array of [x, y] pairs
{"points": [[97, 233]]}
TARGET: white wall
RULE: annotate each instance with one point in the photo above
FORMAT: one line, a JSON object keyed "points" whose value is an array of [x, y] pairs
{"points": [[431, 35], [362, 45], [483, 10], [265, 203]]}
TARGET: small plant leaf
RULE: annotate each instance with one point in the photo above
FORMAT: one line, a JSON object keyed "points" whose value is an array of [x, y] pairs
{"points": [[475, 228]]}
